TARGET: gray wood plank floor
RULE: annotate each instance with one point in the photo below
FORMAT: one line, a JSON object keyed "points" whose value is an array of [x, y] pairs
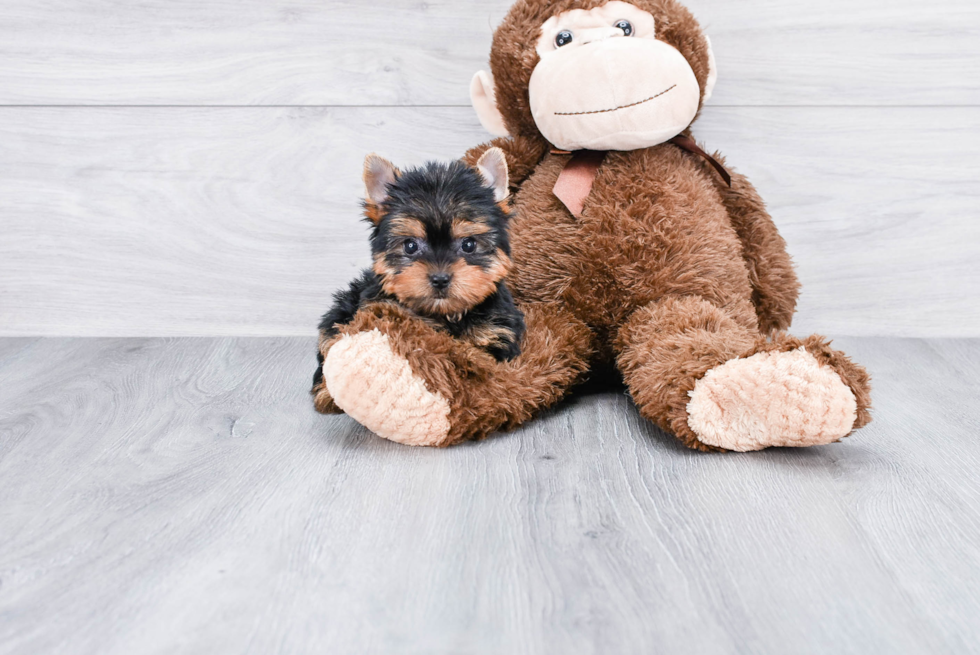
{"points": [[180, 495]]}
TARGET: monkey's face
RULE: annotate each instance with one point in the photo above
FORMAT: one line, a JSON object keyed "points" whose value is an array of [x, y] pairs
{"points": [[602, 79]]}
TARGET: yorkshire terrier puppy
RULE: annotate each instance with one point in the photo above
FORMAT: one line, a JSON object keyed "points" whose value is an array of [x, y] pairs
{"points": [[440, 249]]}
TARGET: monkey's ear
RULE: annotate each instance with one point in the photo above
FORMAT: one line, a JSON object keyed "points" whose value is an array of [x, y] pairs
{"points": [[709, 85], [492, 167], [484, 101], [378, 174]]}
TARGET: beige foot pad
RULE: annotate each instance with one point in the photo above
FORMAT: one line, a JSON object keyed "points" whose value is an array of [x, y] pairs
{"points": [[378, 389], [771, 399]]}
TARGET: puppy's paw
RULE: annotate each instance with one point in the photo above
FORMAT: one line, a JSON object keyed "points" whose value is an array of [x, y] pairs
{"points": [[380, 391], [771, 399], [322, 401]]}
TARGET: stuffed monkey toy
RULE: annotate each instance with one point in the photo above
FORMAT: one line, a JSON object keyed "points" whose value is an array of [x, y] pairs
{"points": [[631, 247]]}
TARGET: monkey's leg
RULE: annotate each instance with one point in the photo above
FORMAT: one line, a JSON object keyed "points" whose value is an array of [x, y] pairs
{"points": [[407, 382], [718, 385]]}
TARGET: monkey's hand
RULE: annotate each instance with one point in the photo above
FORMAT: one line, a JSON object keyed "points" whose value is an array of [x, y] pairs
{"points": [[415, 385]]}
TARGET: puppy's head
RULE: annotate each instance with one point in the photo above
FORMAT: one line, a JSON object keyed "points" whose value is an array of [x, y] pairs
{"points": [[439, 237]]}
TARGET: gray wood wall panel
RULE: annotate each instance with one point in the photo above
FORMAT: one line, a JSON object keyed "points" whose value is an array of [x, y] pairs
{"points": [[191, 220], [181, 496], [405, 52], [239, 221]]}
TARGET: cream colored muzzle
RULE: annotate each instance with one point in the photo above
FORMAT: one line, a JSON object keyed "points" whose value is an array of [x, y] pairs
{"points": [[613, 94]]}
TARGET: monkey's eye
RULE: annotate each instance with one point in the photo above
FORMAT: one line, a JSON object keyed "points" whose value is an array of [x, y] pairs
{"points": [[411, 247], [468, 245], [564, 38], [626, 26]]}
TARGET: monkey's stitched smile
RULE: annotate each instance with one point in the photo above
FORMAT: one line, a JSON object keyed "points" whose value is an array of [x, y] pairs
{"points": [[606, 111]]}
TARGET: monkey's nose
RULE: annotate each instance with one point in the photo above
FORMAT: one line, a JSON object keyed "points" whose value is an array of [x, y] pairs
{"points": [[440, 281]]}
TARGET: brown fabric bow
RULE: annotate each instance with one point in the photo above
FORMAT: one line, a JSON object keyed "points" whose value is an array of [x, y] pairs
{"points": [[575, 181]]}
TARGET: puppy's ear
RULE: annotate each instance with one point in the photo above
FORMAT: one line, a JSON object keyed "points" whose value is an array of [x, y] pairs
{"points": [[492, 167], [379, 174]]}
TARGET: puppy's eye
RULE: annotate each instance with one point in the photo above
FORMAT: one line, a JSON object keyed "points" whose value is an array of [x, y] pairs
{"points": [[626, 26], [411, 247], [468, 245], [564, 38]]}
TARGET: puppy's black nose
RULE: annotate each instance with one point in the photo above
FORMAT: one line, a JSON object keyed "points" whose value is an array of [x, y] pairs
{"points": [[440, 281]]}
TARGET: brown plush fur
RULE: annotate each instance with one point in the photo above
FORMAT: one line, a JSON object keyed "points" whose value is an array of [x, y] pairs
{"points": [[484, 395], [775, 287], [322, 400], [668, 273]]}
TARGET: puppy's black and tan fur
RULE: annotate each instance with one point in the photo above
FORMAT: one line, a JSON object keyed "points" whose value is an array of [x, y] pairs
{"points": [[440, 248]]}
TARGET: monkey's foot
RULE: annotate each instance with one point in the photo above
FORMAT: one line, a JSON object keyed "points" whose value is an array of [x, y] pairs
{"points": [[378, 388], [771, 399]]}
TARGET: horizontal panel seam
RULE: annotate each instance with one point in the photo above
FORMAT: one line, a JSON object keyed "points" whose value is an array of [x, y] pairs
{"points": [[708, 108]]}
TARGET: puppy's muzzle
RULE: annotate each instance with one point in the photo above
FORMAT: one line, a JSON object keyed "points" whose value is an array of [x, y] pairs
{"points": [[440, 281]]}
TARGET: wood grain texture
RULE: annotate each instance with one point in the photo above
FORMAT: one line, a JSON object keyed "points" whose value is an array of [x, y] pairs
{"points": [[180, 495], [406, 52], [242, 221]]}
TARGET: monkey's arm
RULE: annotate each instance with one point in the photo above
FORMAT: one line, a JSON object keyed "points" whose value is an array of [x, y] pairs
{"points": [[775, 287], [523, 155], [346, 303]]}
